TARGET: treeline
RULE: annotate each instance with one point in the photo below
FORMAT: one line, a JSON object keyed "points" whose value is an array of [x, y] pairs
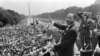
{"points": [[61, 14], [9, 17]]}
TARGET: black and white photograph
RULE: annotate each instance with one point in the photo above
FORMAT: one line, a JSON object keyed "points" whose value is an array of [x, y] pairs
{"points": [[49, 27]]}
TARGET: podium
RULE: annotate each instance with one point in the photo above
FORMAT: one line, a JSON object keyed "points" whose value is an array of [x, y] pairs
{"points": [[86, 53]]}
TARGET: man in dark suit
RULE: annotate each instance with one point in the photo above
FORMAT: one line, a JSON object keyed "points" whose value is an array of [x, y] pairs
{"points": [[97, 32], [65, 47], [98, 29], [84, 32]]}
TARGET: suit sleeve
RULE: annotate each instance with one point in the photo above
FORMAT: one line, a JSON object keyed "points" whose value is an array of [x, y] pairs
{"points": [[71, 39], [61, 27], [81, 25]]}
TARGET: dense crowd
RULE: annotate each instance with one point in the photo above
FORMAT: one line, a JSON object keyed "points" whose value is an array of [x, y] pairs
{"points": [[19, 41]]}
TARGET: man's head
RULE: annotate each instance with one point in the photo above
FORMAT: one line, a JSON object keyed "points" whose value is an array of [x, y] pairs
{"points": [[85, 15], [98, 16], [89, 15], [70, 19]]}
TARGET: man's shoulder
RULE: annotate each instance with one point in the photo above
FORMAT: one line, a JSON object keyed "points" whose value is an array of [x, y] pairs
{"points": [[73, 31]]}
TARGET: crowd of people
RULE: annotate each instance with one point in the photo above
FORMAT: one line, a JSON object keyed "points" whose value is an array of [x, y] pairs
{"points": [[34, 40], [20, 41]]}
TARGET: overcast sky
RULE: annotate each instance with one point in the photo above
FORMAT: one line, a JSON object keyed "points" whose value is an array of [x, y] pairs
{"points": [[41, 6]]}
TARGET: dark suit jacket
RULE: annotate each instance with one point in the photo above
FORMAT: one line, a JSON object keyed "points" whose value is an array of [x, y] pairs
{"points": [[65, 48], [83, 28]]}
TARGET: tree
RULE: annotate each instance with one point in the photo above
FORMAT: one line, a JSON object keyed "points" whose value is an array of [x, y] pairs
{"points": [[10, 17]]}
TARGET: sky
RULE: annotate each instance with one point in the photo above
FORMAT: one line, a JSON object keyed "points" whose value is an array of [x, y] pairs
{"points": [[42, 6]]}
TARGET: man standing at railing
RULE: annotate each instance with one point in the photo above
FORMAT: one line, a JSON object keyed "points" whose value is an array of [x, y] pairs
{"points": [[97, 32], [66, 44]]}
